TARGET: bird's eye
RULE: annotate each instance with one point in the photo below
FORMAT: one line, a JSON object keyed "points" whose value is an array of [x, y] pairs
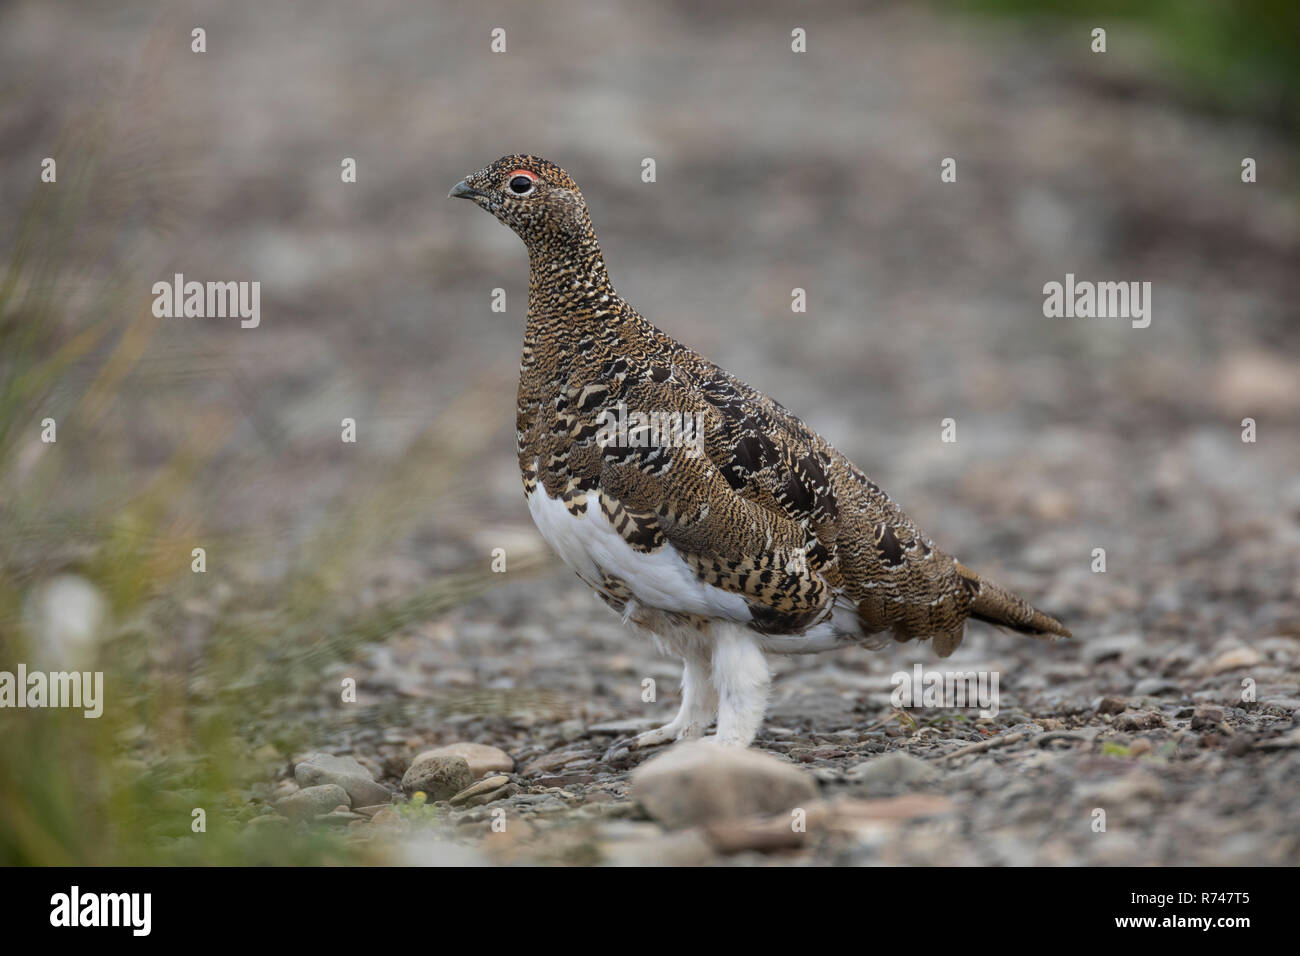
{"points": [[521, 183]]}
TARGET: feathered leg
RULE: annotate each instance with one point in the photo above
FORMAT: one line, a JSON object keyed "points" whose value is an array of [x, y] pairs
{"points": [[699, 703], [742, 679]]}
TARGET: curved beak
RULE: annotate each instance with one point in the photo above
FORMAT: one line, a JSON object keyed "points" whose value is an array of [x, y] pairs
{"points": [[464, 191]]}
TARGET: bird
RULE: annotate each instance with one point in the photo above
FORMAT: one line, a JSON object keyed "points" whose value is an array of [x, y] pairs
{"points": [[701, 510]]}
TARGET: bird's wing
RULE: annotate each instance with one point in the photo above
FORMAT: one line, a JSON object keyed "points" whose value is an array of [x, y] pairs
{"points": [[743, 497]]}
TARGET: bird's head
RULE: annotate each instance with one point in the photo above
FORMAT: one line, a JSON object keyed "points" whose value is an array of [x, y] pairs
{"points": [[535, 198]]}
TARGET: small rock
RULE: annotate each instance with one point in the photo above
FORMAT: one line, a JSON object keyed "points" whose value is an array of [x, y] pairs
{"points": [[1140, 747], [340, 817], [1238, 658], [1207, 718], [484, 788], [620, 728], [1156, 687], [571, 730], [565, 779], [385, 817], [767, 835], [269, 820], [550, 804], [553, 761], [315, 769], [482, 759], [1287, 741], [849, 813], [892, 768], [440, 777], [1280, 706], [284, 788], [1112, 705], [1104, 648], [312, 801], [702, 782], [1139, 720]]}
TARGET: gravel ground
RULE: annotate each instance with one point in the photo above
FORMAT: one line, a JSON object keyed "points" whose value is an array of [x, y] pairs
{"points": [[1174, 708]]}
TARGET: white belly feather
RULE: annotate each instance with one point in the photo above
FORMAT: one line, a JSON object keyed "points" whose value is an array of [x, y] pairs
{"points": [[591, 546]]}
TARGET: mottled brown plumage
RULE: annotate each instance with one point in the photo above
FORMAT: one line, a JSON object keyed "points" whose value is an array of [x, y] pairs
{"points": [[789, 538]]}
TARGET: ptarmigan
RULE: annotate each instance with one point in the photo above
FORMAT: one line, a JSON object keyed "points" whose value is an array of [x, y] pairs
{"points": [[695, 506]]}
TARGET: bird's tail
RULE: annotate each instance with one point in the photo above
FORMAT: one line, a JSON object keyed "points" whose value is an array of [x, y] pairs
{"points": [[996, 605]]}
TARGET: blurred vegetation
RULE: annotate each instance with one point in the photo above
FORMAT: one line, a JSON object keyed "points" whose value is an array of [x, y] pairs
{"points": [[207, 677], [1238, 56]]}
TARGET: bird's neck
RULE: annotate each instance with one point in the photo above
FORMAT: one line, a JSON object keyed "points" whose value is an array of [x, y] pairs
{"points": [[571, 305], [569, 287]]}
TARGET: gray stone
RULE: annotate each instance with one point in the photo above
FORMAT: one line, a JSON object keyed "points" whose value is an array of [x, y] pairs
{"points": [[893, 768], [1117, 645], [1235, 659], [440, 777], [482, 759], [622, 727], [571, 730], [1280, 705], [1155, 687], [270, 820], [341, 817], [1139, 720], [486, 788], [310, 801], [315, 769], [1207, 718], [702, 781]]}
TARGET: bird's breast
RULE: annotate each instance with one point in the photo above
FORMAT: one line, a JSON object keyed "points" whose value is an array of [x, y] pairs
{"points": [[590, 544]]}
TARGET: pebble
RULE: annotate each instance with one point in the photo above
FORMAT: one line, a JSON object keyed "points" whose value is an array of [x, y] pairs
{"points": [[891, 769], [1287, 741], [702, 782], [1156, 687], [553, 761], [482, 759], [487, 787], [1207, 718], [1280, 705], [1140, 747], [340, 816], [1128, 789], [385, 817], [1139, 720], [440, 777], [565, 780], [571, 730], [268, 820], [314, 769], [1238, 658], [312, 801], [620, 728], [1102, 648]]}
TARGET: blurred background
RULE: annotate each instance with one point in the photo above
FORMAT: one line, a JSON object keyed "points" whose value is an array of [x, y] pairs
{"points": [[774, 170]]}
